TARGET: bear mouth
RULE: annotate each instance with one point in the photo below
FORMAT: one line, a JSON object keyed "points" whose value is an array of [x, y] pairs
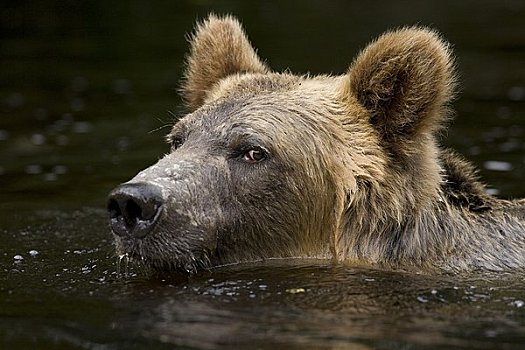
{"points": [[159, 257]]}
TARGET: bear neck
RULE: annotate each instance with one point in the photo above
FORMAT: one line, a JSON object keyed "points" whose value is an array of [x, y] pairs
{"points": [[446, 222]]}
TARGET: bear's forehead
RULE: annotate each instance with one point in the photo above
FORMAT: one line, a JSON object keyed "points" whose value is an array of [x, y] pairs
{"points": [[244, 114], [273, 104], [272, 85], [250, 84]]}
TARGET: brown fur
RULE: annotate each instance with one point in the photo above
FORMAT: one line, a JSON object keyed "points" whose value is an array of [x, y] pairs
{"points": [[355, 172], [211, 60]]}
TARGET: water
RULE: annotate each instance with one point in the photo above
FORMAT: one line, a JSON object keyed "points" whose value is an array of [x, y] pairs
{"points": [[87, 91], [72, 295]]}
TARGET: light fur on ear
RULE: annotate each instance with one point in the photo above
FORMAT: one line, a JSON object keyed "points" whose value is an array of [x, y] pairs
{"points": [[219, 48], [405, 80]]}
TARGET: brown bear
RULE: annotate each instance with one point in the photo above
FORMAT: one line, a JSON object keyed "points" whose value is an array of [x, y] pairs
{"points": [[274, 165]]}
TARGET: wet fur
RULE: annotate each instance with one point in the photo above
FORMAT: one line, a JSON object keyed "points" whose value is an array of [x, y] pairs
{"points": [[356, 173]]}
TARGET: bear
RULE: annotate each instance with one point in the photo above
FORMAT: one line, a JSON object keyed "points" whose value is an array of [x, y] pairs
{"points": [[272, 165]]}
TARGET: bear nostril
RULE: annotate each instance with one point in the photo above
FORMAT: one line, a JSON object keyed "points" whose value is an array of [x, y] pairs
{"points": [[134, 209], [114, 209]]}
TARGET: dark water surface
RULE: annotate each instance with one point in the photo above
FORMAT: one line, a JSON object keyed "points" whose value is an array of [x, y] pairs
{"points": [[87, 91]]}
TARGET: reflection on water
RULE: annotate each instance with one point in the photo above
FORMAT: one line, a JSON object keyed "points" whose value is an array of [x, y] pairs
{"points": [[339, 306], [87, 91]]}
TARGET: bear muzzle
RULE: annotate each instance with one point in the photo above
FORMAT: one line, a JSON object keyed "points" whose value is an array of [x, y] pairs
{"points": [[134, 209]]}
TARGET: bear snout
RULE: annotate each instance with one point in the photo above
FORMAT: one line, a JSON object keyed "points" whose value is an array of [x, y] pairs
{"points": [[134, 209]]}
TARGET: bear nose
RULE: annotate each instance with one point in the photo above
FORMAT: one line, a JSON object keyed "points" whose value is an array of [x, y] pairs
{"points": [[134, 209]]}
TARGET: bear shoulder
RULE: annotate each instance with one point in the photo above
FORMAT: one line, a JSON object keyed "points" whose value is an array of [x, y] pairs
{"points": [[461, 185]]}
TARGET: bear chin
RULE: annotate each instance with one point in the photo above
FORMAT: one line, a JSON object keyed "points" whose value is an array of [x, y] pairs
{"points": [[155, 258]]}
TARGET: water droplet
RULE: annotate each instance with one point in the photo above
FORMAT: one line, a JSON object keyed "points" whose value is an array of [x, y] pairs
{"points": [[295, 290], [491, 333], [509, 146], [33, 169], [121, 257], [82, 127], [496, 165], [422, 299], [38, 139], [59, 169], [50, 177], [492, 191], [62, 140]]}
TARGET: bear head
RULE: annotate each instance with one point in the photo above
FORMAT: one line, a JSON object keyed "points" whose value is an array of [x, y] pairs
{"points": [[275, 165]]}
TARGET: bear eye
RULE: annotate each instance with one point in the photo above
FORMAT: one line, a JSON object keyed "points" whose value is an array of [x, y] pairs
{"points": [[254, 155], [175, 142]]}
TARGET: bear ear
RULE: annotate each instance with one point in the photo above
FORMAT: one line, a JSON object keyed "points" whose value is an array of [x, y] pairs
{"points": [[405, 80], [218, 48]]}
